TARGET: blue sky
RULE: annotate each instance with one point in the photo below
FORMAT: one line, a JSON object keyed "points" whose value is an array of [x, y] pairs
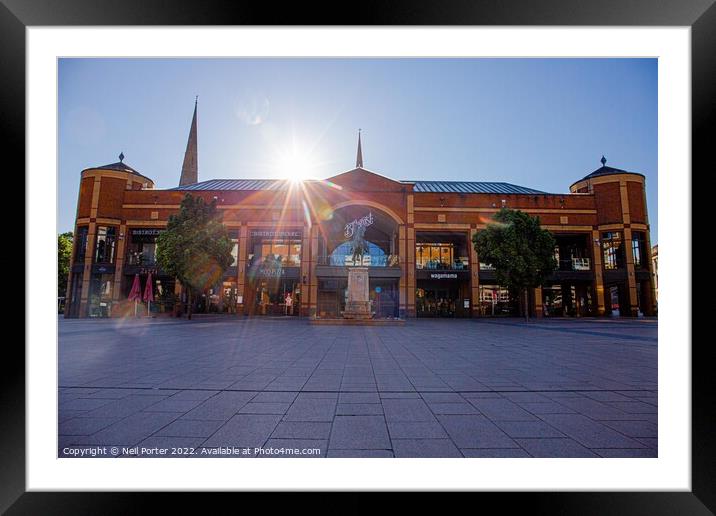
{"points": [[540, 123]]}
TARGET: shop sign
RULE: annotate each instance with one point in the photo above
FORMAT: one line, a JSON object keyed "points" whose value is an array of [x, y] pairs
{"points": [[276, 234], [364, 222], [443, 275], [272, 272], [145, 234]]}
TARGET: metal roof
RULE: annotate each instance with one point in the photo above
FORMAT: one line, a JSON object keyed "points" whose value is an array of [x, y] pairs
{"points": [[606, 171], [469, 187], [472, 187], [236, 184], [120, 166]]}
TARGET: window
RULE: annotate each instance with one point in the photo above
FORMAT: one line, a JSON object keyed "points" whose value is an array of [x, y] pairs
{"points": [[81, 243], [437, 256], [104, 250], [142, 246], [234, 236], [638, 248], [613, 251], [286, 252]]}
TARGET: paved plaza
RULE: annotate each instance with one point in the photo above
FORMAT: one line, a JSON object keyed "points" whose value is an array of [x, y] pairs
{"points": [[432, 388]]}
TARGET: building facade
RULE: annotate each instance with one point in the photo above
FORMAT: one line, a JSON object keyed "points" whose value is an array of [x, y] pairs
{"points": [[293, 244]]}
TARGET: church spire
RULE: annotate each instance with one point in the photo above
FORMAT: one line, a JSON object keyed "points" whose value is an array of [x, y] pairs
{"points": [[190, 167], [359, 156]]}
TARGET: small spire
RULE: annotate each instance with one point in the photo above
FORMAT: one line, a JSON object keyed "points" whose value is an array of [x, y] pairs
{"points": [[121, 157], [603, 160], [359, 155]]}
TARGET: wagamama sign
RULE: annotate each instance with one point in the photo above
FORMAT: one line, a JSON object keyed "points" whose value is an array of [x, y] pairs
{"points": [[361, 222]]}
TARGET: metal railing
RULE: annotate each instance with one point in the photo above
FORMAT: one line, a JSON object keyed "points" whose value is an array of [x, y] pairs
{"points": [[388, 260]]}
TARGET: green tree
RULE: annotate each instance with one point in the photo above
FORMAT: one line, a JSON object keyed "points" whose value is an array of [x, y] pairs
{"points": [[195, 248], [64, 255], [521, 252]]}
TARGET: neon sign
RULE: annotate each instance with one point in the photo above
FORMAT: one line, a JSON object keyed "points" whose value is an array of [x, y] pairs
{"points": [[361, 222]]}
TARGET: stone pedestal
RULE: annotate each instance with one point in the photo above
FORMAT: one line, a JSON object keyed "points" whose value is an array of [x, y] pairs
{"points": [[358, 304]]}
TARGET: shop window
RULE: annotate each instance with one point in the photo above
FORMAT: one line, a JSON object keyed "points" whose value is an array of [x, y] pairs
{"points": [[234, 236], [106, 241], [81, 243], [278, 252], [142, 246], [495, 300], [438, 256], [100, 295], [613, 250], [638, 248]]}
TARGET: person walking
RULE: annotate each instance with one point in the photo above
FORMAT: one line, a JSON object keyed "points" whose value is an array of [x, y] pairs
{"points": [[289, 304]]}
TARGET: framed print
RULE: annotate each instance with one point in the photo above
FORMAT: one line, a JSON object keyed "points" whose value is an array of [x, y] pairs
{"points": [[360, 314]]}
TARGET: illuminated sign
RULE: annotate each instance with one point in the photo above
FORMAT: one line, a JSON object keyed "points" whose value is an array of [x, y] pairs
{"points": [[443, 275], [276, 234], [361, 222]]}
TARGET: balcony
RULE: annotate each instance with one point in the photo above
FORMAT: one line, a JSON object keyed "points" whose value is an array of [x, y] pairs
{"points": [[574, 264], [140, 259], [384, 261], [457, 265]]}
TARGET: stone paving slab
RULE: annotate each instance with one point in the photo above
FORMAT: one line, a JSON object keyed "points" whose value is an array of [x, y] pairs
{"points": [[431, 388]]}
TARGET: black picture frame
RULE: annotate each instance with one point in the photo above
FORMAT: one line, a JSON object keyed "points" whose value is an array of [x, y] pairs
{"points": [[700, 15]]}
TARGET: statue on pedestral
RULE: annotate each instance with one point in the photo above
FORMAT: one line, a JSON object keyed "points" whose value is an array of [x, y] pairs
{"points": [[359, 246]]}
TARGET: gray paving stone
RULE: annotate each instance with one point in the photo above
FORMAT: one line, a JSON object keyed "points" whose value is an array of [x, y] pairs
{"points": [[440, 448], [475, 432], [264, 408], [315, 409], [302, 430], [626, 452], [190, 428], [244, 430], [359, 454], [442, 397], [126, 406], [416, 430], [275, 397], [494, 452], [502, 410], [453, 408], [172, 405], [221, 407], [634, 428], [359, 409], [85, 403], [588, 432], [358, 397], [407, 410], [563, 447], [132, 429], [190, 394], [528, 429], [85, 425], [359, 432], [547, 407]]}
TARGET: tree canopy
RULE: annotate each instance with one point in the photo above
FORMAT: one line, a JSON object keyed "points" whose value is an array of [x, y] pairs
{"points": [[521, 252], [64, 255], [195, 247]]}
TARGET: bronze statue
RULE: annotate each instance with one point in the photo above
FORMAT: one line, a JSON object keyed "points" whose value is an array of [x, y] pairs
{"points": [[359, 246]]}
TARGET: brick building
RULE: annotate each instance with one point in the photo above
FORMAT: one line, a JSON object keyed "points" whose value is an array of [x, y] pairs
{"points": [[291, 241]]}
